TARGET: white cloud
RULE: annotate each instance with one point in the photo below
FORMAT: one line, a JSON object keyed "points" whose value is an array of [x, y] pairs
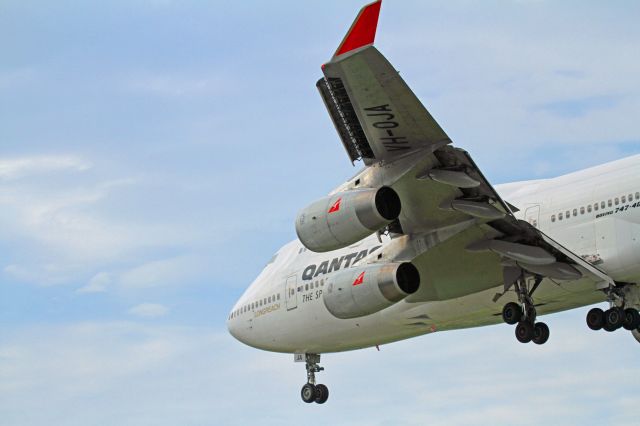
{"points": [[149, 310], [97, 284], [15, 168], [164, 272]]}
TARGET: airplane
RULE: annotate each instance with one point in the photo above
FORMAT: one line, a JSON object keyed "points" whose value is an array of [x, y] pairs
{"points": [[420, 242]]}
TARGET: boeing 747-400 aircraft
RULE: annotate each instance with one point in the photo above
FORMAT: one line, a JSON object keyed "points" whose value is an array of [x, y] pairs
{"points": [[419, 241]]}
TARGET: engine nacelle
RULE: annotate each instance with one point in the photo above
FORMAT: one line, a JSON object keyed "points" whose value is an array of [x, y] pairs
{"points": [[347, 217], [356, 292]]}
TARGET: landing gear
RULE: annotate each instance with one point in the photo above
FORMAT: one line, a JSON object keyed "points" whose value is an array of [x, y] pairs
{"points": [[621, 313], [312, 392], [524, 314]]}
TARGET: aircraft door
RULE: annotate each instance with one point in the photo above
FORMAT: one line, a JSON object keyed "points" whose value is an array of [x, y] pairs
{"points": [[532, 215], [291, 291]]}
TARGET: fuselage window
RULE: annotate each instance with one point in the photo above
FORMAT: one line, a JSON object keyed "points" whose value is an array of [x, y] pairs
{"points": [[624, 199], [575, 212], [609, 203], [322, 282], [581, 210], [278, 296], [602, 204], [261, 303], [589, 208], [265, 300], [595, 206], [617, 201], [630, 197], [553, 218], [637, 195], [568, 214], [306, 287], [269, 300], [560, 216]]}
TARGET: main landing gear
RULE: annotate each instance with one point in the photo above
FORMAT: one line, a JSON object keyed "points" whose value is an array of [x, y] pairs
{"points": [[524, 314], [619, 315], [312, 392]]}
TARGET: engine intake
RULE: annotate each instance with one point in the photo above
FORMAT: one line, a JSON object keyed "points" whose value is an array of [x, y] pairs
{"points": [[344, 218], [361, 291]]}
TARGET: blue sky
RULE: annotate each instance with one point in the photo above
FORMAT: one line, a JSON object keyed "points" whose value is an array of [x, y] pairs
{"points": [[153, 155]]}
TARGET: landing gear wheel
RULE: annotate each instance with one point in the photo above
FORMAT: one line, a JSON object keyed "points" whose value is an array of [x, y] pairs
{"points": [[511, 313], [631, 319], [613, 318], [322, 394], [540, 333], [524, 332], [595, 319], [308, 393]]}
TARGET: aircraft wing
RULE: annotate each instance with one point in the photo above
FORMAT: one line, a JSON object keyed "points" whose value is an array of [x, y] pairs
{"points": [[376, 114], [462, 236]]}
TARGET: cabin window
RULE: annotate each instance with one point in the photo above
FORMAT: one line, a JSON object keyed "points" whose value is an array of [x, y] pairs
{"points": [[322, 282], [269, 299], [553, 218], [589, 208], [560, 216], [261, 303], [581, 210], [602, 204], [617, 201], [575, 212], [630, 197], [278, 296], [568, 214], [624, 199], [306, 287], [609, 203], [595, 206], [637, 195]]}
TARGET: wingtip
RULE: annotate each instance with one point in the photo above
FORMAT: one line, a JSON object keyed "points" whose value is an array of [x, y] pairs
{"points": [[363, 30]]}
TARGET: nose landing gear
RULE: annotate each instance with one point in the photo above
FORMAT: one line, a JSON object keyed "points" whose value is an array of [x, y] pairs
{"points": [[312, 392]]}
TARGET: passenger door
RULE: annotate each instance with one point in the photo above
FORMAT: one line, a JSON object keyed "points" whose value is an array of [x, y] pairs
{"points": [[291, 293]]}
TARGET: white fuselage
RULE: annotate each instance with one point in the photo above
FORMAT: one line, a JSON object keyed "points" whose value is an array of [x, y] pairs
{"points": [[593, 212]]}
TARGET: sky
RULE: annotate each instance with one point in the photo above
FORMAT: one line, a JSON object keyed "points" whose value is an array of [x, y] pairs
{"points": [[154, 153]]}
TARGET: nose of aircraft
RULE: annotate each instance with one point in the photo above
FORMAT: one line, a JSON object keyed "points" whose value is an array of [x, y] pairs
{"points": [[232, 326]]}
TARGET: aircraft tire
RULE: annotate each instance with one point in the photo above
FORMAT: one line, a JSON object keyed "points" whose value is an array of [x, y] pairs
{"points": [[322, 394], [595, 319], [540, 333], [524, 332], [511, 313], [631, 319], [308, 393], [613, 318]]}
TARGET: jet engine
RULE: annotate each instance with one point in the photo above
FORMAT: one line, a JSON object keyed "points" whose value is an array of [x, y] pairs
{"points": [[356, 292], [346, 217]]}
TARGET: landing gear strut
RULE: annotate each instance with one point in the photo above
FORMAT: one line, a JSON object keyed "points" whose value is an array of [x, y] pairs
{"points": [[620, 314], [524, 314], [312, 392]]}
